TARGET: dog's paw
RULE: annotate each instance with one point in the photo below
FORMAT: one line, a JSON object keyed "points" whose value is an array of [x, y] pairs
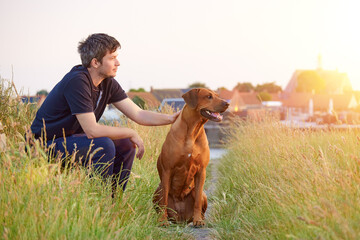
{"points": [[164, 223], [199, 223]]}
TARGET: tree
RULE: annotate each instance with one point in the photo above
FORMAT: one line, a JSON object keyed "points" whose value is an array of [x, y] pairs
{"points": [[137, 90], [309, 81], [222, 88], [264, 96], [268, 87], [244, 87], [42, 92], [198, 85], [139, 101]]}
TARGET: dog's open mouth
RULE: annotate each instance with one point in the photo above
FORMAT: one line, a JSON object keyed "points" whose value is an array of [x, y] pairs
{"points": [[213, 116]]}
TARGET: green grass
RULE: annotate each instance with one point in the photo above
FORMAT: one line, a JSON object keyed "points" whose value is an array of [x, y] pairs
{"points": [[274, 183], [40, 200], [278, 183]]}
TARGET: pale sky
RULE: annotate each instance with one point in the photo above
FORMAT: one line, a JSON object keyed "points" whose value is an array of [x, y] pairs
{"points": [[173, 43]]}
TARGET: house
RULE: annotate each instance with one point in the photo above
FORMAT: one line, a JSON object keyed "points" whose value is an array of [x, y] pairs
{"points": [[241, 100], [304, 106], [336, 94], [225, 93], [335, 81], [321, 102], [250, 99], [160, 94], [247, 105], [339, 102], [233, 98], [298, 101], [38, 99]]}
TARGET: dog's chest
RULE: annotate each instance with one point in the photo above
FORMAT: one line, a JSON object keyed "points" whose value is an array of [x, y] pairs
{"points": [[189, 162], [190, 155], [183, 177], [193, 147]]}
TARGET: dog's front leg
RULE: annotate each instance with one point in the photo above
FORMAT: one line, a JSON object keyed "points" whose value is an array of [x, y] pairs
{"points": [[165, 182], [199, 185]]}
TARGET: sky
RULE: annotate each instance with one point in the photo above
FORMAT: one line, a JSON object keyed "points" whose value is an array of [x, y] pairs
{"points": [[173, 43]]}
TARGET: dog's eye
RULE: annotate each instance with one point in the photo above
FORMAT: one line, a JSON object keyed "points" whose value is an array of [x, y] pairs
{"points": [[210, 97]]}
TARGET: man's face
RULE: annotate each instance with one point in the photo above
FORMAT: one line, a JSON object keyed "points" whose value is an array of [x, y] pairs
{"points": [[109, 65]]}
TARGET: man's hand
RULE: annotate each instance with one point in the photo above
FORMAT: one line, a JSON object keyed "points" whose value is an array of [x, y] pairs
{"points": [[138, 142], [174, 116]]}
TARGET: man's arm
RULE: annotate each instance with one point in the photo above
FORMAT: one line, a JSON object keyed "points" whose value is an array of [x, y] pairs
{"points": [[94, 130], [144, 117]]}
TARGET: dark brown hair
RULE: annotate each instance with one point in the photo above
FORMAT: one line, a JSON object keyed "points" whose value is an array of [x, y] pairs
{"points": [[96, 46]]}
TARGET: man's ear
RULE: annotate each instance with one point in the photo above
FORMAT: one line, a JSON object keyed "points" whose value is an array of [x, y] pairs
{"points": [[95, 63], [191, 97]]}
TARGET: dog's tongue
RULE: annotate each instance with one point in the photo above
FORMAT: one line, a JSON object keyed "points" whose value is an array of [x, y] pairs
{"points": [[217, 115]]}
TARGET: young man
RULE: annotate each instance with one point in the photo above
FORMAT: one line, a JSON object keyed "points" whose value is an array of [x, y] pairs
{"points": [[69, 116]]}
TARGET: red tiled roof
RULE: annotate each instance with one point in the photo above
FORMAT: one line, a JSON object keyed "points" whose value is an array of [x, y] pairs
{"points": [[160, 94], [236, 102], [250, 98], [225, 94]]}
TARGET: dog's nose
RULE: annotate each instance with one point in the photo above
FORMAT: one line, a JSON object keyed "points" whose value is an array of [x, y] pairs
{"points": [[226, 104]]}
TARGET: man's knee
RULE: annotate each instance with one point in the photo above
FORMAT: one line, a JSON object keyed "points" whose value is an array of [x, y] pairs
{"points": [[105, 146], [125, 146], [128, 144]]}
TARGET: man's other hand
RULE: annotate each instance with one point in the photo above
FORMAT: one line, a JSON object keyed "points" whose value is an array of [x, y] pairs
{"points": [[138, 142]]}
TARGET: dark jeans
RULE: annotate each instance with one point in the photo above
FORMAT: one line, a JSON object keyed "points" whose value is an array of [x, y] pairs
{"points": [[113, 158]]}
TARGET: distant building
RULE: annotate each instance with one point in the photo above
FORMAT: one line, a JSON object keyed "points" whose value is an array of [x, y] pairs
{"points": [[160, 94], [175, 103], [298, 101], [321, 102], [241, 100], [38, 100], [335, 82], [337, 94], [251, 99]]}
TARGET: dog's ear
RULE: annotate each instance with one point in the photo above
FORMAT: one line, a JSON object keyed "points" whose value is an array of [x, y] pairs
{"points": [[191, 97]]}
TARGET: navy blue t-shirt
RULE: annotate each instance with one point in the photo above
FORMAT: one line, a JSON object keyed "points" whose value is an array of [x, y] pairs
{"points": [[74, 94]]}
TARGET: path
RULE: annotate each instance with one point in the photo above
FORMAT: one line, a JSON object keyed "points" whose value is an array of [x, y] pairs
{"points": [[206, 232]]}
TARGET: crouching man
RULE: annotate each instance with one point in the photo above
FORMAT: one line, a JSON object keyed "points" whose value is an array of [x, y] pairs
{"points": [[75, 105]]}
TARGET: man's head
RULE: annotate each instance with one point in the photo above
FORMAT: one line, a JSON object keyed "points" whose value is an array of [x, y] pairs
{"points": [[96, 46]]}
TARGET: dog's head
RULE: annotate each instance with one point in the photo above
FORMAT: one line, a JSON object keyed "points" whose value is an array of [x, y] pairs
{"points": [[206, 102]]}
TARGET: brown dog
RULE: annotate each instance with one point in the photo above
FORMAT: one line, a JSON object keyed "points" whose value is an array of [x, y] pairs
{"points": [[184, 157]]}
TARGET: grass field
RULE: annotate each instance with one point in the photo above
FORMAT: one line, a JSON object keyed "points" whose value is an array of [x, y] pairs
{"points": [[278, 183], [40, 201], [274, 183]]}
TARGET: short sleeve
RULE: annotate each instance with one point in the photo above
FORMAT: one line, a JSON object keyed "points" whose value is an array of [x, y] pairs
{"points": [[78, 95], [117, 93]]}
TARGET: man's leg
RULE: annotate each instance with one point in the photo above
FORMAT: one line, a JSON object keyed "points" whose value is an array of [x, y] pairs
{"points": [[124, 158], [102, 161]]}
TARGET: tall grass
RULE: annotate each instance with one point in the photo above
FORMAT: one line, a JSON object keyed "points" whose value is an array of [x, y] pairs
{"points": [[279, 183], [39, 200]]}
